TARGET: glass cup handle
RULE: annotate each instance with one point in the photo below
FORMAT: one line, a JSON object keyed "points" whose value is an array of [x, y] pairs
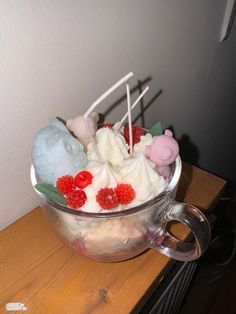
{"points": [[196, 222]]}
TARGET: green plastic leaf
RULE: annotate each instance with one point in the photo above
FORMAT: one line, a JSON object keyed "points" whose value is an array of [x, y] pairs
{"points": [[156, 129], [51, 192]]}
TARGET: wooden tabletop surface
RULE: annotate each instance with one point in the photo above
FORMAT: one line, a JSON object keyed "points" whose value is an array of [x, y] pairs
{"points": [[39, 271]]}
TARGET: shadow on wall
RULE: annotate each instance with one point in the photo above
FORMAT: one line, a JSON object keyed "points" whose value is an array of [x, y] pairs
{"points": [[188, 150], [141, 84], [143, 108]]}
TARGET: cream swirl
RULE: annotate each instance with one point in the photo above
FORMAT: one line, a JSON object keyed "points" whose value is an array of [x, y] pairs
{"points": [[111, 146], [140, 173]]}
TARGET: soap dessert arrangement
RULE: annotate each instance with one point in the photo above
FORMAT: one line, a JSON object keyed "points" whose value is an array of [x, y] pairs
{"points": [[97, 180], [113, 181]]}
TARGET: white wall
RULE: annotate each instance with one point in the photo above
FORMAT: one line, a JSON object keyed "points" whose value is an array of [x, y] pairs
{"points": [[56, 57]]}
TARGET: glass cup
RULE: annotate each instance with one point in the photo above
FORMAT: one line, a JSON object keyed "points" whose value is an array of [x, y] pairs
{"points": [[118, 236]]}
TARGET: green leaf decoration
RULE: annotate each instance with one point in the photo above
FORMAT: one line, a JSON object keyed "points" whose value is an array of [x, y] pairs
{"points": [[156, 129], [51, 192]]}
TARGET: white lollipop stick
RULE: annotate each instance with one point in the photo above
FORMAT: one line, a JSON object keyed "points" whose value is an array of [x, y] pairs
{"points": [[132, 107], [96, 103], [129, 119], [92, 140], [108, 92]]}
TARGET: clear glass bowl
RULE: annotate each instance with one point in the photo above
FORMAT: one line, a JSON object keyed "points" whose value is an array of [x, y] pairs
{"points": [[118, 236]]}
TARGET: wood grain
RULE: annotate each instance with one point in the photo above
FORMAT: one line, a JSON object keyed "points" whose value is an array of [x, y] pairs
{"points": [[39, 270]]}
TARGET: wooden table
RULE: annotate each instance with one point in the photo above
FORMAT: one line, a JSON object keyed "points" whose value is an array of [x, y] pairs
{"points": [[38, 270]]}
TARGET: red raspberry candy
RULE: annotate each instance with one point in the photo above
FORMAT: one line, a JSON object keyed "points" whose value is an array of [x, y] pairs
{"points": [[65, 184], [83, 179], [76, 199], [106, 198], [125, 193], [137, 133]]}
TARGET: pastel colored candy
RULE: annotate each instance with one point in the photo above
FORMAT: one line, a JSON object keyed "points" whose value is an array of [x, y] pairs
{"points": [[56, 153], [78, 127], [163, 151], [163, 171]]}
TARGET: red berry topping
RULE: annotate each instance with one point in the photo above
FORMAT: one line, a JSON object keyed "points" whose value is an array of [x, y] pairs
{"points": [[76, 199], [106, 198], [65, 184], [108, 125], [83, 179], [125, 193], [137, 133]]}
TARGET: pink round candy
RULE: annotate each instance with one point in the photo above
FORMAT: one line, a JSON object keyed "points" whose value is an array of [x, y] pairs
{"points": [[163, 150]]}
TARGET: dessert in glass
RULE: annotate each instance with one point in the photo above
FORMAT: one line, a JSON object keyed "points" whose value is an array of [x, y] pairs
{"points": [[109, 191]]}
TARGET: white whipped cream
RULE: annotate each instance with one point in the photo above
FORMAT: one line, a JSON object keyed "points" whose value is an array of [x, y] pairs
{"points": [[111, 146], [144, 141], [140, 173]]}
